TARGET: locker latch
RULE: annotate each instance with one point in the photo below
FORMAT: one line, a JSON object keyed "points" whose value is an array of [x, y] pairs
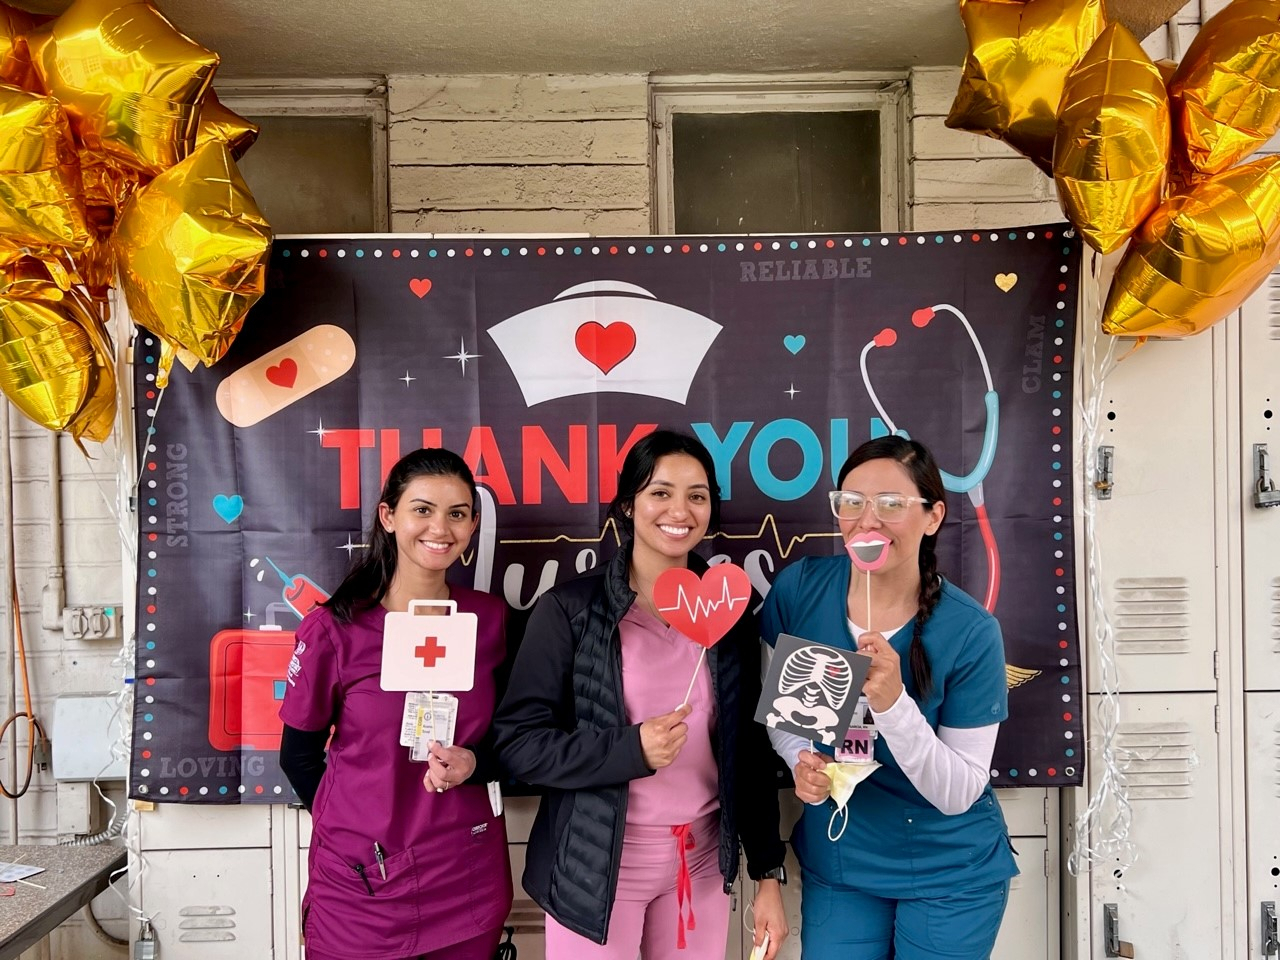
{"points": [[1114, 946], [1265, 493], [1106, 465], [1270, 941]]}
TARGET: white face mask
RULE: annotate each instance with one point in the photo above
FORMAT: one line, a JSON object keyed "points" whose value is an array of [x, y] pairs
{"points": [[845, 778]]}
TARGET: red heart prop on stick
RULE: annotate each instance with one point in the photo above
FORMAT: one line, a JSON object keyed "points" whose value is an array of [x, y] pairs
{"points": [[705, 609]]}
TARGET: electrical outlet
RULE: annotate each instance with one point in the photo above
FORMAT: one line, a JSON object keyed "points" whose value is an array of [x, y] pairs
{"points": [[43, 755], [93, 622]]}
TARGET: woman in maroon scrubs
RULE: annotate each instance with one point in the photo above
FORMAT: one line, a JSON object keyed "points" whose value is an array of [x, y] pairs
{"points": [[407, 859]]}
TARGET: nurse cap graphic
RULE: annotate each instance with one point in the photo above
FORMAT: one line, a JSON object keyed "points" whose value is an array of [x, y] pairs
{"points": [[605, 336]]}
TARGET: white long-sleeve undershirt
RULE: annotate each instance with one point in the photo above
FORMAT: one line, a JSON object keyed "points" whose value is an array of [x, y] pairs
{"points": [[950, 768]]}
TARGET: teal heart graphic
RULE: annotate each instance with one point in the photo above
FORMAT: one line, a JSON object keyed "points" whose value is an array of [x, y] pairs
{"points": [[228, 508], [794, 342]]}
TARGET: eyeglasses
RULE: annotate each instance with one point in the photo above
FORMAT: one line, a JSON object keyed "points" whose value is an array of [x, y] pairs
{"points": [[888, 507]]}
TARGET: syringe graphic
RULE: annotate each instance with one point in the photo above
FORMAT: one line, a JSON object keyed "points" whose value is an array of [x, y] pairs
{"points": [[302, 594]]}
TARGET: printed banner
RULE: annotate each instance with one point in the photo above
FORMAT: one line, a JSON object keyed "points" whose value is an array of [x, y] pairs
{"points": [[542, 361]]}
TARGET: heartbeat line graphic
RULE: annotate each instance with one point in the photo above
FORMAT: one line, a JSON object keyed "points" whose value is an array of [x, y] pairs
{"points": [[769, 523], [703, 607], [609, 528]]}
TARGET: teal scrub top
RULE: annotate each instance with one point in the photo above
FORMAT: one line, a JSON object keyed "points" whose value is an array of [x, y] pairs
{"points": [[897, 844]]}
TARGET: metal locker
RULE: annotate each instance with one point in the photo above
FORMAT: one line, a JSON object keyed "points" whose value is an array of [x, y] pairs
{"points": [[1260, 535], [1168, 903], [1262, 791], [1156, 529], [172, 826], [211, 907], [1024, 934]]}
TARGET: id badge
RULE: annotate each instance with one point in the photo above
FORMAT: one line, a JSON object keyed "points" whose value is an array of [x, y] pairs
{"points": [[859, 743], [435, 717]]}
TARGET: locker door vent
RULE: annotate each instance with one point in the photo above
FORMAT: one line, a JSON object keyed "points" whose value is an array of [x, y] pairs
{"points": [[1273, 305], [207, 924], [1158, 759], [1275, 614], [1152, 615]]}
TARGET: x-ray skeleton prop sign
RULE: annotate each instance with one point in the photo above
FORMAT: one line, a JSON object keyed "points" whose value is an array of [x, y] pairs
{"points": [[811, 689]]}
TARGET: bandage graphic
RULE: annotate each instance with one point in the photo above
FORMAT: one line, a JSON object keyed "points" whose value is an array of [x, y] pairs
{"points": [[286, 374]]}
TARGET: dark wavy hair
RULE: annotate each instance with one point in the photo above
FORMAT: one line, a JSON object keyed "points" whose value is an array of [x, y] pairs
{"points": [[923, 470], [370, 577], [637, 470]]}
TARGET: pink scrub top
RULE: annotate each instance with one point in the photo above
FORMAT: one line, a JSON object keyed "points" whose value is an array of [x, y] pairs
{"points": [[657, 664], [448, 876]]}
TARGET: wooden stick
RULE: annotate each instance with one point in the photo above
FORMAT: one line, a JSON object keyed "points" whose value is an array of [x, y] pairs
{"points": [[868, 601], [688, 693]]}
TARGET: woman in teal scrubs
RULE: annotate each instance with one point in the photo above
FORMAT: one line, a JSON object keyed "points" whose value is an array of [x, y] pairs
{"points": [[922, 867]]}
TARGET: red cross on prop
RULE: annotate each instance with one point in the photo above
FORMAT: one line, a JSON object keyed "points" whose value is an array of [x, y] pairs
{"points": [[430, 651]]}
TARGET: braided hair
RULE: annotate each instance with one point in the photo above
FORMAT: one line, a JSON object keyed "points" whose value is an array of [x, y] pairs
{"points": [[916, 459]]}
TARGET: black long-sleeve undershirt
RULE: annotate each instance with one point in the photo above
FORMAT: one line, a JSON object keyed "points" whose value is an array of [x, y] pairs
{"points": [[302, 758]]}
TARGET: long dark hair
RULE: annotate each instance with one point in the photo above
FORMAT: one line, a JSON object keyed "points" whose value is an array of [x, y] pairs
{"points": [[923, 469], [637, 470], [370, 576]]}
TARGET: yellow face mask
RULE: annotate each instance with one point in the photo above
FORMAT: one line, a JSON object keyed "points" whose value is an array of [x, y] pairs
{"points": [[845, 778]]}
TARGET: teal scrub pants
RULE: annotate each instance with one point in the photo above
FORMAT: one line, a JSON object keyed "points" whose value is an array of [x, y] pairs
{"points": [[841, 923]]}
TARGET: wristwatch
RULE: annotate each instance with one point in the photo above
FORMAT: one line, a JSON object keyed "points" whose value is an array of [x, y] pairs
{"points": [[778, 873]]}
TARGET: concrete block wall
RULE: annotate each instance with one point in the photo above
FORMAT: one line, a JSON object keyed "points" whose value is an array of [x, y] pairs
{"points": [[94, 573], [519, 154], [958, 180]]}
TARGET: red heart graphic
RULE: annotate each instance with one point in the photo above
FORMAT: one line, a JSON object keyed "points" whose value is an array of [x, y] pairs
{"points": [[606, 347], [703, 610], [420, 287], [284, 373]]}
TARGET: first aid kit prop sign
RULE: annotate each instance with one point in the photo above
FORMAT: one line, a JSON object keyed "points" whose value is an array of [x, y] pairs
{"points": [[542, 362]]}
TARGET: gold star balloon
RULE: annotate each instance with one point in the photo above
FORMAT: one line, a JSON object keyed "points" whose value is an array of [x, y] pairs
{"points": [[96, 417], [15, 61], [1019, 57], [47, 366], [1112, 144], [130, 82], [192, 248], [1226, 90], [219, 123], [1199, 255], [40, 186]]}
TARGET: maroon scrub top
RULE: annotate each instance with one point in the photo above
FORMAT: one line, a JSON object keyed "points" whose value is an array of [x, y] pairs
{"points": [[448, 876]]}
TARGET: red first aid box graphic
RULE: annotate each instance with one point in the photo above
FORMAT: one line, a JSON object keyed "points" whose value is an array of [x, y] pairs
{"points": [[247, 671], [429, 653]]}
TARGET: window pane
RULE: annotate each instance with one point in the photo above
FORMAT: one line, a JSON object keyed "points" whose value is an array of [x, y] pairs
{"points": [[313, 174], [794, 172]]}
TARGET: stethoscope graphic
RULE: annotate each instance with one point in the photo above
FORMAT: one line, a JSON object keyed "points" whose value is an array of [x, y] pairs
{"points": [[971, 482]]}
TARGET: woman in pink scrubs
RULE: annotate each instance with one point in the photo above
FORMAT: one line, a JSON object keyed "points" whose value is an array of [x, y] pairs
{"points": [[407, 859], [652, 783]]}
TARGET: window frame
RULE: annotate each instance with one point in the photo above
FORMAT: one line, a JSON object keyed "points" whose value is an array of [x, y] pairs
{"points": [[881, 93], [361, 98]]}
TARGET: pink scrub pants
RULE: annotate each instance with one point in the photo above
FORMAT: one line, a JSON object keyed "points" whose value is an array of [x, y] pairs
{"points": [[658, 905]]}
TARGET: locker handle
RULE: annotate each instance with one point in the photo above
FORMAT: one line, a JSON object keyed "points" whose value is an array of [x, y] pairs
{"points": [[1105, 481], [1112, 944], [1270, 940]]}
